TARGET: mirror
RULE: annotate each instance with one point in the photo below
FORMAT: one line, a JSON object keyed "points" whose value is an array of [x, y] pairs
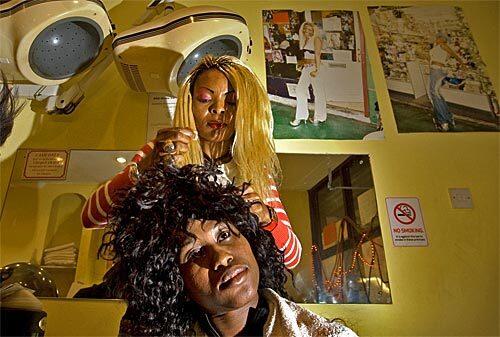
{"points": [[330, 200]]}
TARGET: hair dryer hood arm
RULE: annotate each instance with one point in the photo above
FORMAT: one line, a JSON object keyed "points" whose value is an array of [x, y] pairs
{"points": [[157, 56]]}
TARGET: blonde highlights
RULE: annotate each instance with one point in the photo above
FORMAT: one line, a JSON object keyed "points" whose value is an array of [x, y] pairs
{"points": [[302, 37], [253, 148]]}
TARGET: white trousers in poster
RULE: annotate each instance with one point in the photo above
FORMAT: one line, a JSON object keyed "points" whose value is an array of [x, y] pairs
{"points": [[319, 94]]}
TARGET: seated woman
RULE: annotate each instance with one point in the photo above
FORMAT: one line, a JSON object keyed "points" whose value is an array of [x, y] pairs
{"points": [[191, 259]]}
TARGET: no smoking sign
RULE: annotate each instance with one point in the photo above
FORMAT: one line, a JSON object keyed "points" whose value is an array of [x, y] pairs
{"points": [[407, 225], [404, 213]]}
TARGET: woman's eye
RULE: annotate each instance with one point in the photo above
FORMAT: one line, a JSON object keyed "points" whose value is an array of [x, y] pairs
{"points": [[224, 236], [203, 100]]}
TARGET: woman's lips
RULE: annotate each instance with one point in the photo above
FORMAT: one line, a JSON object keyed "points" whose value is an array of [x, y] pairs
{"points": [[216, 125], [232, 276]]}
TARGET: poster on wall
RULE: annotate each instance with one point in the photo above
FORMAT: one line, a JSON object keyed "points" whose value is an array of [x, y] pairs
{"points": [[436, 78], [318, 76]]}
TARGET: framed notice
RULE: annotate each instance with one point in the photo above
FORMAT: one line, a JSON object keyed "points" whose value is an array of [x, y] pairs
{"points": [[46, 164], [407, 223]]}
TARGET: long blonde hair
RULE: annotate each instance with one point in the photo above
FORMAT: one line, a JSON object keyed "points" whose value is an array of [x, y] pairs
{"points": [[253, 146], [302, 37]]}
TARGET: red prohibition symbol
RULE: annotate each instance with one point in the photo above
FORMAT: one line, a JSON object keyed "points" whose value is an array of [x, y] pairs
{"points": [[404, 213]]}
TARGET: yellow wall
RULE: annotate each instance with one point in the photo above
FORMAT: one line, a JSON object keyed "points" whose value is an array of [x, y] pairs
{"points": [[25, 227], [448, 288], [297, 207]]}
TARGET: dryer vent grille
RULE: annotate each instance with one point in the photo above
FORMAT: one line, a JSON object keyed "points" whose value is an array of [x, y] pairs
{"points": [[133, 76]]}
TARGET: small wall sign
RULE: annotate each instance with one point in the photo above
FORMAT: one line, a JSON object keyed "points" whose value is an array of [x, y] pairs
{"points": [[407, 224], [46, 164]]}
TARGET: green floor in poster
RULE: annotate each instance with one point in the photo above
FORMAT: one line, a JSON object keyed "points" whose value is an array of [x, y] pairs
{"points": [[410, 118], [335, 127]]}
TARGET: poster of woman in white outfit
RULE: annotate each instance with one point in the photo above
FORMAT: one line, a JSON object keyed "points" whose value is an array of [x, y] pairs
{"points": [[318, 75], [311, 70]]}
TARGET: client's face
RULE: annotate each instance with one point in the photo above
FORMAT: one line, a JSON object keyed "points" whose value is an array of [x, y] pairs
{"points": [[219, 269]]}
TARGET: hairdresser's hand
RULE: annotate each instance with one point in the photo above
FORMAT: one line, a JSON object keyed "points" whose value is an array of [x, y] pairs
{"points": [[258, 207], [314, 73], [169, 143]]}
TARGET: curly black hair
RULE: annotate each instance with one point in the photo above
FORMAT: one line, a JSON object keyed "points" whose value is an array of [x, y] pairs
{"points": [[144, 240], [9, 109]]}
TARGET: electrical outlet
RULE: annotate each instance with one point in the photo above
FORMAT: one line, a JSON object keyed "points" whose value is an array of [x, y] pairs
{"points": [[460, 197]]}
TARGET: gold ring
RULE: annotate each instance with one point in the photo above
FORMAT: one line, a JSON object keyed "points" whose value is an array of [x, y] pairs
{"points": [[169, 147]]}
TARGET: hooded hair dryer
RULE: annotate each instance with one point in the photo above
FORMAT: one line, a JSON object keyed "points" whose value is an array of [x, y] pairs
{"points": [[157, 56]]}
